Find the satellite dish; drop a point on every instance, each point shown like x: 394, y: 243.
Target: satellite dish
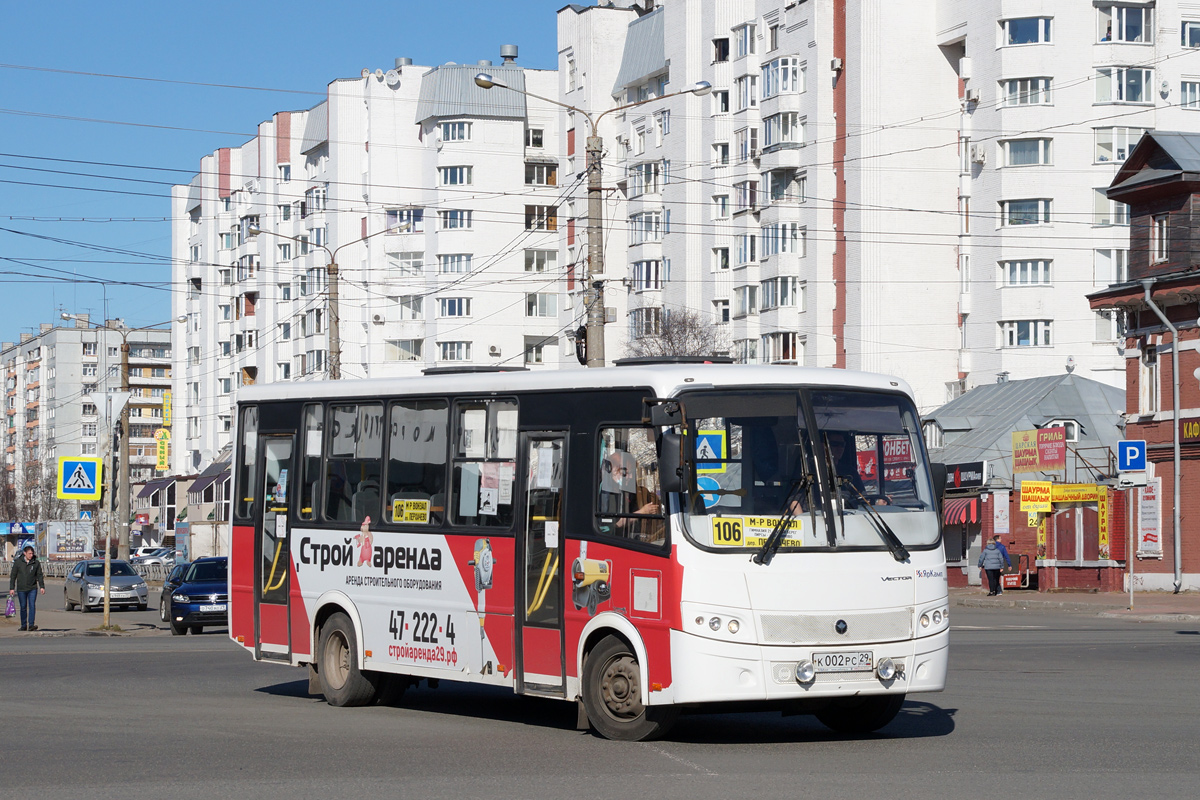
x: 379, y: 74
x: 366, y: 72
x: 393, y: 78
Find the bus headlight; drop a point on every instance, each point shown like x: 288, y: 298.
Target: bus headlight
x: 734, y: 626
x: 805, y: 671
x: 715, y: 623
x: 885, y: 669
x: 924, y: 620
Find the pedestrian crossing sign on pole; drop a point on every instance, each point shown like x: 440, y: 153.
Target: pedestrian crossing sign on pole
x: 79, y: 478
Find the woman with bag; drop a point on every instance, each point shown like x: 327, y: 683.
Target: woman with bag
x: 25, y: 581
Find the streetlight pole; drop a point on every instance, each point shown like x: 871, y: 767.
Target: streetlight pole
x: 332, y: 272
x: 593, y: 281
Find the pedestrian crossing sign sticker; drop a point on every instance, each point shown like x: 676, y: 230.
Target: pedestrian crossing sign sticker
x: 79, y: 478
x: 710, y: 444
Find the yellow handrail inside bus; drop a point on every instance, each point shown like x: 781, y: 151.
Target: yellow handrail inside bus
x: 274, y: 565
x: 548, y: 572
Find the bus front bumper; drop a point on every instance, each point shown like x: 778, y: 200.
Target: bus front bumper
x: 707, y: 670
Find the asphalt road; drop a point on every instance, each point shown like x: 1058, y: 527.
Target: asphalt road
x: 1040, y: 704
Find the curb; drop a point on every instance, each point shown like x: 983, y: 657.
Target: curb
x: 1026, y: 605
x: 1157, y: 617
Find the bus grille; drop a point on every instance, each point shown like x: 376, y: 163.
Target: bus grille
x: 861, y: 628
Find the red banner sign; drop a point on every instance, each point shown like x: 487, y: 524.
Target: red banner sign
x: 1043, y: 450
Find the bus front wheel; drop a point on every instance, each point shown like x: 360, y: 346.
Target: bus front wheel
x: 342, y: 682
x: 861, y: 714
x: 612, y: 695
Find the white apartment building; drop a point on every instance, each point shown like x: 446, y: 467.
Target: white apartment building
x: 56, y: 385
x: 439, y: 201
x: 913, y: 188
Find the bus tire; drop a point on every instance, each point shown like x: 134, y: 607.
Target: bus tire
x: 342, y: 683
x: 612, y: 695
x: 856, y: 715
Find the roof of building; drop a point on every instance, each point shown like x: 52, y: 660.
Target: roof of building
x: 1160, y: 156
x: 645, y: 50
x: 978, y: 425
x: 316, y: 128
x: 450, y: 91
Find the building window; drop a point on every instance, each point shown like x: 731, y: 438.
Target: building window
x: 778, y: 293
x: 785, y: 185
x: 572, y: 74
x: 720, y: 205
x: 226, y: 385
x: 541, y: 260
x: 1026, y: 91
x: 1190, y: 35
x: 285, y: 172
x: 782, y: 75
x: 228, y: 241
x: 720, y: 101
x: 315, y: 199
x: 1124, y: 84
x: 645, y: 322
x: 1108, y: 212
x: 773, y: 37
x: 454, y: 351
x: 410, y: 220
x: 1148, y: 380
x: 745, y: 195
x: 720, y: 258
x: 454, y: 307
x: 746, y: 249
x: 1026, y: 333
x: 455, y: 176
x: 645, y: 178
x: 1026, y: 30
x: 455, y: 219
x: 534, y: 137
x: 645, y: 227
x: 541, y: 304
x: 456, y: 131
x: 780, y: 128
x: 745, y: 89
x: 541, y: 218
x: 720, y: 311
x: 1111, y: 266
x: 454, y: 263
x: 1024, y: 212
x: 1158, y: 237
x: 781, y: 347
x: 1026, y: 152
x: 745, y: 351
x: 745, y: 300
x: 407, y: 263
x: 285, y: 212
x: 411, y: 306
x: 1189, y: 96
x: 720, y: 50
x: 1025, y: 273
x: 285, y: 251
x: 743, y: 37
x: 1106, y: 326
x: 541, y: 175
x: 647, y: 275
x: 1125, y: 24
x: 1115, y: 144
x: 782, y: 237
x: 403, y: 349
x: 721, y: 153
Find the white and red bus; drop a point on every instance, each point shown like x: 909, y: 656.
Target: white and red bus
x: 640, y: 539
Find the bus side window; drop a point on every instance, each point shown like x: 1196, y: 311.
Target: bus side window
x: 485, y: 463
x: 310, y: 462
x: 416, y: 469
x: 629, y: 502
x: 354, y: 463
x: 247, y: 466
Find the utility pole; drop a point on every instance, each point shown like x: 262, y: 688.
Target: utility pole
x: 335, y: 332
x: 593, y: 276
x: 123, y: 508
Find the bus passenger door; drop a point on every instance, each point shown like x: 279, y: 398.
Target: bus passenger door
x: 272, y: 550
x: 541, y: 669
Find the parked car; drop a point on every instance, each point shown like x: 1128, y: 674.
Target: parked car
x: 174, y: 579
x: 203, y: 597
x: 144, y: 550
x: 85, y: 586
x: 161, y: 556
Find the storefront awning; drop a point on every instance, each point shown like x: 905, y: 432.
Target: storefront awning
x: 153, y: 486
x: 204, y: 481
x: 961, y: 511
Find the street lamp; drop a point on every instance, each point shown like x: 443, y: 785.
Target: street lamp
x: 123, y: 508
x: 331, y: 273
x: 593, y: 291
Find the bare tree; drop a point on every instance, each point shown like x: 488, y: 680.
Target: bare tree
x: 681, y: 333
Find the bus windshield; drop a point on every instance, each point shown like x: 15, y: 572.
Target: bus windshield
x: 852, y: 453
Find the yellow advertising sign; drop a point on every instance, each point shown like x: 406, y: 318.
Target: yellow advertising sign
x: 1036, y: 496
x: 163, y: 438
x: 753, y: 531
x: 412, y: 511
x: 1041, y: 539
x: 1102, y: 508
x: 166, y: 409
x: 1075, y: 493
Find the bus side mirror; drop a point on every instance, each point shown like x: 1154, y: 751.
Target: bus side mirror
x: 670, y: 462
x: 938, y: 473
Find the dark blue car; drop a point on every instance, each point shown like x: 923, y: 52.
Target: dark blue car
x: 203, y: 597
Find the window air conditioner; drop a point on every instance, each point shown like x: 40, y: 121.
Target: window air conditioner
x: 978, y: 154
x: 972, y: 95
x: 378, y: 319
x: 493, y: 350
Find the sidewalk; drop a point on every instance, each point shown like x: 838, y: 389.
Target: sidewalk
x: 1147, y: 606
x: 53, y: 620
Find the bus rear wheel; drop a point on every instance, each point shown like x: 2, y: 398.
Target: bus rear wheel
x: 612, y: 695
x: 342, y: 682
x: 861, y: 714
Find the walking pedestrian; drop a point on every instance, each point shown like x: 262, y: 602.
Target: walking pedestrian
x: 25, y: 580
x: 993, y: 559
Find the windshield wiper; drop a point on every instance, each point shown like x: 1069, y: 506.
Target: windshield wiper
x: 899, y: 551
x: 783, y: 524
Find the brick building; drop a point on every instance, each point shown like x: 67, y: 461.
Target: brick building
x: 1161, y: 183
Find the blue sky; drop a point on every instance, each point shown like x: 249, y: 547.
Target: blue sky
x: 50, y: 119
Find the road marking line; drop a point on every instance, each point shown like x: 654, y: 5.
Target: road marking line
x: 682, y: 760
